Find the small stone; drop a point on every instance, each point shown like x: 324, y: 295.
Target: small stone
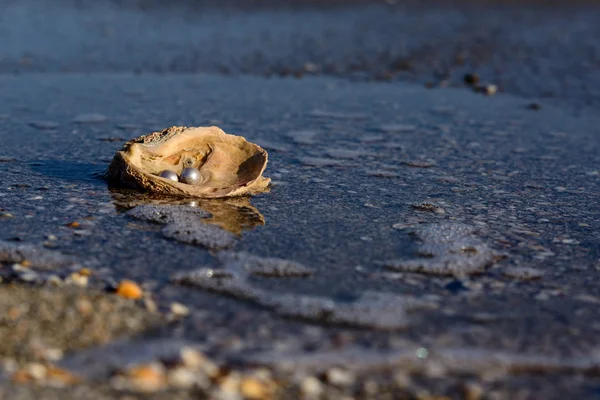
x: 181, y: 378
x: 59, y: 377
x: 311, y: 67
x: 36, y: 371
x: 145, y: 378
x: 569, y: 241
x: 402, y: 380
x: 491, y: 90
x: 230, y: 384
x: 471, y: 79
x: 340, y: 377
x: 428, y: 207
x: 402, y: 225
x: 371, y: 388
x: 82, y: 232
x: 78, y: 279
x: 129, y: 290
x: 84, y: 306
x: 179, y: 310
x: 28, y: 276
x: 21, y: 376
x: 54, y: 280
x: 195, y: 360
x: 311, y: 387
x: 73, y: 224
x: 487, y: 89
x: 255, y: 389
x: 472, y: 391
x: 150, y: 305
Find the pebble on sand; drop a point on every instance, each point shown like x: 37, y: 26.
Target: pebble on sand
x: 143, y: 378
x: 255, y: 389
x: 129, y: 290
x: 471, y: 79
x: 487, y: 89
x: 78, y: 279
x: 44, y: 374
x: 428, y: 207
x: 179, y: 310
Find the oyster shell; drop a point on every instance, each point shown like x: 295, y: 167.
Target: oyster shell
x: 229, y: 165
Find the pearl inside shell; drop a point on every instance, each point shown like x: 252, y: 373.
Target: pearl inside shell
x: 167, y: 174
x: 191, y: 176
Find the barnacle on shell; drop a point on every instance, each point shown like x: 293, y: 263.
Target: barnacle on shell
x: 229, y: 165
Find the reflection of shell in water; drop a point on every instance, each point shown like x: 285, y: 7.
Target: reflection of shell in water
x: 229, y: 165
x: 234, y: 214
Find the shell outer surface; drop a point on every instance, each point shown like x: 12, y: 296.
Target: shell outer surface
x: 229, y: 165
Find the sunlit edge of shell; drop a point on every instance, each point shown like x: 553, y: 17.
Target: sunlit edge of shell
x: 130, y: 176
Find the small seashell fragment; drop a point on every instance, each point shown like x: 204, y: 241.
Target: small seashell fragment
x: 167, y: 174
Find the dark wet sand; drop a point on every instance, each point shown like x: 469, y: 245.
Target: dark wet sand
x: 450, y: 238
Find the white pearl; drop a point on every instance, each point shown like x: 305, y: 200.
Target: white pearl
x: 167, y: 174
x: 191, y: 176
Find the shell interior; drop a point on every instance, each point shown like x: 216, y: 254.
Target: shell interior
x: 229, y: 165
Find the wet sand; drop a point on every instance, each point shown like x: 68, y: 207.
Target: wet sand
x: 417, y: 242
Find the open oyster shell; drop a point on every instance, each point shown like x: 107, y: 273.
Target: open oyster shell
x: 229, y: 165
